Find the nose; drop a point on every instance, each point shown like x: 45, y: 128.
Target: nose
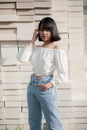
x: 44, y: 32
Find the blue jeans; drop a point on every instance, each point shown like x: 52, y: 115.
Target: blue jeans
x: 42, y: 101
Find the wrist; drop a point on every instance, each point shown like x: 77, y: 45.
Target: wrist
x: 31, y: 43
x: 49, y: 85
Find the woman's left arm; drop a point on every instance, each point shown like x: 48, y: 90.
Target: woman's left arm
x: 61, y: 67
x: 62, y: 70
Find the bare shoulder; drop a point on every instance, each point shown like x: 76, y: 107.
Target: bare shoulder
x: 58, y: 46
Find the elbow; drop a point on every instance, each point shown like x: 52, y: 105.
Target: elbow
x: 64, y: 78
x: 22, y: 59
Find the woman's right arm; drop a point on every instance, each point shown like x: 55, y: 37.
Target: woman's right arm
x: 25, y: 53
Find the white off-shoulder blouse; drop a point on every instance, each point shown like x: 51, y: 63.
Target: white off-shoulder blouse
x: 45, y: 61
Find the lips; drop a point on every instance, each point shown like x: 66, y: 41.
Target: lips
x: 44, y: 37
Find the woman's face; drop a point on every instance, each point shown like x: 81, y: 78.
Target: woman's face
x: 45, y: 35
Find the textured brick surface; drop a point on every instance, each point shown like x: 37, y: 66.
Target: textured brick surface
x: 18, y: 18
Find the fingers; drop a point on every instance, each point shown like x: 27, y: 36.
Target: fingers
x: 42, y: 86
x: 35, y: 35
x: 36, y: 32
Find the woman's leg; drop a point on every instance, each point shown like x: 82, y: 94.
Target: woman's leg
x: 34, y: 110
x: 48, y: 103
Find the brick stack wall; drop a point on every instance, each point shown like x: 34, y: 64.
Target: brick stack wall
x: 18, y: 19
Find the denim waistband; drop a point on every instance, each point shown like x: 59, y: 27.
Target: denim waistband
x: 43, y: 79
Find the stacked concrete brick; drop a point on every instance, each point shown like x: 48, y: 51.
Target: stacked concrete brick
x: 69, y: 17
x: 85, y: 36
x: 18, y: 18
x: 77, y: 63
x: 60, y: 14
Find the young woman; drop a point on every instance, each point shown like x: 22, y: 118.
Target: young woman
x: 41, y: 91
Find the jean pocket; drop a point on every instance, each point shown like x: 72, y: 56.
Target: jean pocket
x: 47, y: 91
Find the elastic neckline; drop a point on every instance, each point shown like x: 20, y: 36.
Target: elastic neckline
x: 40, y: 47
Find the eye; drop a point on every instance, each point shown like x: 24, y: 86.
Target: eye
x: 41, y: 29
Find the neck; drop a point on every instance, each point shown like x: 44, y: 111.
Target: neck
x: 46, y: 43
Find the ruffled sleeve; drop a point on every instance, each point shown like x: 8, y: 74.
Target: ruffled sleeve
x: 24, y: 54
x: 61, y: 67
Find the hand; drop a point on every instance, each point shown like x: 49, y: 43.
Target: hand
x: 35, y: 35
x: 45, y: 86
